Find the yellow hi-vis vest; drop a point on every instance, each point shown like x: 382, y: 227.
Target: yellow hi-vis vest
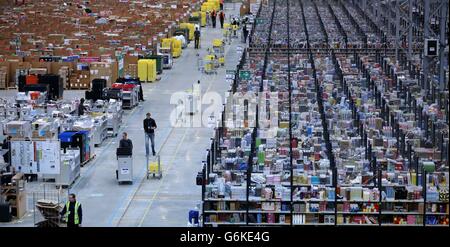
x: 76, y: 218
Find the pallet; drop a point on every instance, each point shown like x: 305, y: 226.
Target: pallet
x: 87, y: 161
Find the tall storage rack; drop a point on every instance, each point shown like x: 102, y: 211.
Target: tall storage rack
x: 367, y: 167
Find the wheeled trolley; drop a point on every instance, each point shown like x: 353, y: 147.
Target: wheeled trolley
x: 219, y: 51
x: 209, y: 64
x: 154, y: 167
x: 124, y: 172
x: 227, y: 33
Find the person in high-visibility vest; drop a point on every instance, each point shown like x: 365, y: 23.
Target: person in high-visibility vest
x: 72, y: 212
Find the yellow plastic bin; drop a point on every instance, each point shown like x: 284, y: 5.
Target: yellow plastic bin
x: 151, y: 70
x: 217, y: 42
x: 142, y: 70
x: 147, y: 70
x: 215, y: 4
x: 204, y: 7
x: 176, y: 47
x: 166, y: 43
x: 203, y: 19
x: 191, y: 28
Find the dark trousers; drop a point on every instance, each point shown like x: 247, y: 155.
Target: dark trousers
x: 221, y: 6
x: 214, y: 22
x: 197, y: 41
x: 141, y: 92
x: 6, y: 157
x: 149, y: 137
x: 221, y: 23
x: 245, y: 37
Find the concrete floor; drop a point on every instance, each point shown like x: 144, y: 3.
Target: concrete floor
x: 152, y: 202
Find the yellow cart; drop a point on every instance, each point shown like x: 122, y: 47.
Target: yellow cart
x: 219, y: 51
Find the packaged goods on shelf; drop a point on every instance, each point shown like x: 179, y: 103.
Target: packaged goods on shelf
x: 355, y: 143
x: 18, y: 129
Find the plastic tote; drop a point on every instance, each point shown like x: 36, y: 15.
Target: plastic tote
x: 217, y: 42
x: 151, y: 73
x: 202, y: 19
x: 147, y: 70
x: 159, y: 61
x: 142, y: 69
x: 166, y: 43
x: 176, y: 48
x: 190, y: 27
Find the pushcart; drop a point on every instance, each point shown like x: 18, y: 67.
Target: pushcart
x: 227, y: 33
x: 210, y: 64
x: 50, y: 211
x: 219, y: 51
x: 154, y: 167
x: 235, y: 29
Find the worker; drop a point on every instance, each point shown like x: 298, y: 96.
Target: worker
x: 213, y: 18
x: 81, y: 108
x: 197, y: 38
x: 5, y: 146
x: 245, y: 33
x: 234, y: 24
x: 149, y: 128
x: 72, y: 212
x: 221, y: 4
x: 221, y: 18
x: 125, y: 142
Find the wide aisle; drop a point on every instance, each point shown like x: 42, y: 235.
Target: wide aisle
x: 154, y: 202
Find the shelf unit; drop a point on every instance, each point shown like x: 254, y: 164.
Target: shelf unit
x: 367, y: 78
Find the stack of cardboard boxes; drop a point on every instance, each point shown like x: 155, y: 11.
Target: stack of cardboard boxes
x: 64, y: 72
x: 104, y: 70
x: 80, y: 80
x: 3, y: 77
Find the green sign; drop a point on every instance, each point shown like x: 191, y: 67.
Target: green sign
x: 260, y: 21
x: 230, y: 72
x: 120, y: 63
x: 244, y: 74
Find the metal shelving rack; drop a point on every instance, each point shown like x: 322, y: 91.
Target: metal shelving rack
x: 391, y: 23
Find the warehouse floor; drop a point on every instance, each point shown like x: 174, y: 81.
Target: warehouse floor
x: 152, y: 202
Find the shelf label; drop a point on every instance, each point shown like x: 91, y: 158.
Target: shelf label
x: 244, y: 74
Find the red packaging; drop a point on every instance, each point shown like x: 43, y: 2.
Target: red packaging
x: 31, y: 79
x: 35, y: 95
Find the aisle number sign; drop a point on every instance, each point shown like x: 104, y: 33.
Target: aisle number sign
x: 260, y: 21
x: 244, y: 74
x: 230, y: 74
